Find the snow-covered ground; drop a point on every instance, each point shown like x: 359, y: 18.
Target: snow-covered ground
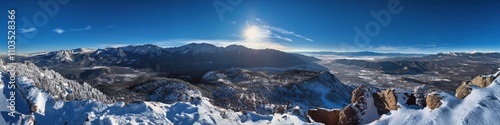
x: 481, y: 107
x: 50, y: 110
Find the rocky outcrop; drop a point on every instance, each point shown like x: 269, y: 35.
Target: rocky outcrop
x: 362, y: 90
x: 385, y: 101
x: 280, y: 110
x: 351, y: 114
x: 463, y: 90
x: 433, y: 101
x: 325, y: 116
x: 481, y: 81
x: 354, y: 112
x: 348, y: 116
x: 362, y: 97
x: 360, y: 111
x: 390, y: 99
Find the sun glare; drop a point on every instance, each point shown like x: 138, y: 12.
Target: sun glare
x: 253, y: 33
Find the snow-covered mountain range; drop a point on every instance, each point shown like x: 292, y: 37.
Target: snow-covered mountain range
x: 44, y: 97
x: 205, y: 84
x: 189, y: 62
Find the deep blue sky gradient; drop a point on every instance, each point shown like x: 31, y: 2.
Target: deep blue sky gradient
x: 423, y: 26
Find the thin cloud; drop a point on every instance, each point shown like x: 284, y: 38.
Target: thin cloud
x: 388, y: 48
x: 110, y: 26
x: 287, y: 32
x: 283, y: 38
x: 115, y: 45
x: 276, y: 30
x: 82, y: 29
x: 59, y: 31
x: 92, y: 28
x: 29, y: 30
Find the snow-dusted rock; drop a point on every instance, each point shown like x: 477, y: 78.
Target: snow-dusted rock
x: 479, y: 81
x: 480, y: 107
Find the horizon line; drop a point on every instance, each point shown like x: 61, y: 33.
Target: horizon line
x: 288, y: 51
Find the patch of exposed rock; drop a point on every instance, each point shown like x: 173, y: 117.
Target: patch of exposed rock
x: 433, y: 100
x: 390, y: 99
x: 358, y: 92
x: 481, y: 81
x: 464, y: 89
x: 325, y: 116
x: 353, y: 113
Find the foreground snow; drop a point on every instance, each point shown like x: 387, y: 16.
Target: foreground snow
x: 482, y: 106
x: 185, y: 113
x: 49, y: 111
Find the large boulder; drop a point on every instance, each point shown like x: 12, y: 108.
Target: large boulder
x: 324, y: 116
x: 354, y: 113
x: 463, y: 90
x: 349, y: 115
x: 433, y: 100
x: 482, y: 81
x: 379, y: 102
x: 362, y: 90
x: 466, y: 87
x: 390, y: 99
x: 385, y: 101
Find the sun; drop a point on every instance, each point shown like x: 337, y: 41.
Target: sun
x: 253, y: 33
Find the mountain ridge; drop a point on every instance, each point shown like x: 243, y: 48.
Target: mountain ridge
x: 188, y: 62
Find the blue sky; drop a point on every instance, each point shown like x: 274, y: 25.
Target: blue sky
x: 415, y: 26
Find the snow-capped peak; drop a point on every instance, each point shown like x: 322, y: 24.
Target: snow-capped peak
x: 82, y: 50
x: 63, y: 55
x: 473, y: 52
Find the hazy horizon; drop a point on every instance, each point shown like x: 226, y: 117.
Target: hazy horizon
x: 288, y: 51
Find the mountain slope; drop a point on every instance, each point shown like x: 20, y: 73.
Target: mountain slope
x: 50, y: 105
x: 265, y: 89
